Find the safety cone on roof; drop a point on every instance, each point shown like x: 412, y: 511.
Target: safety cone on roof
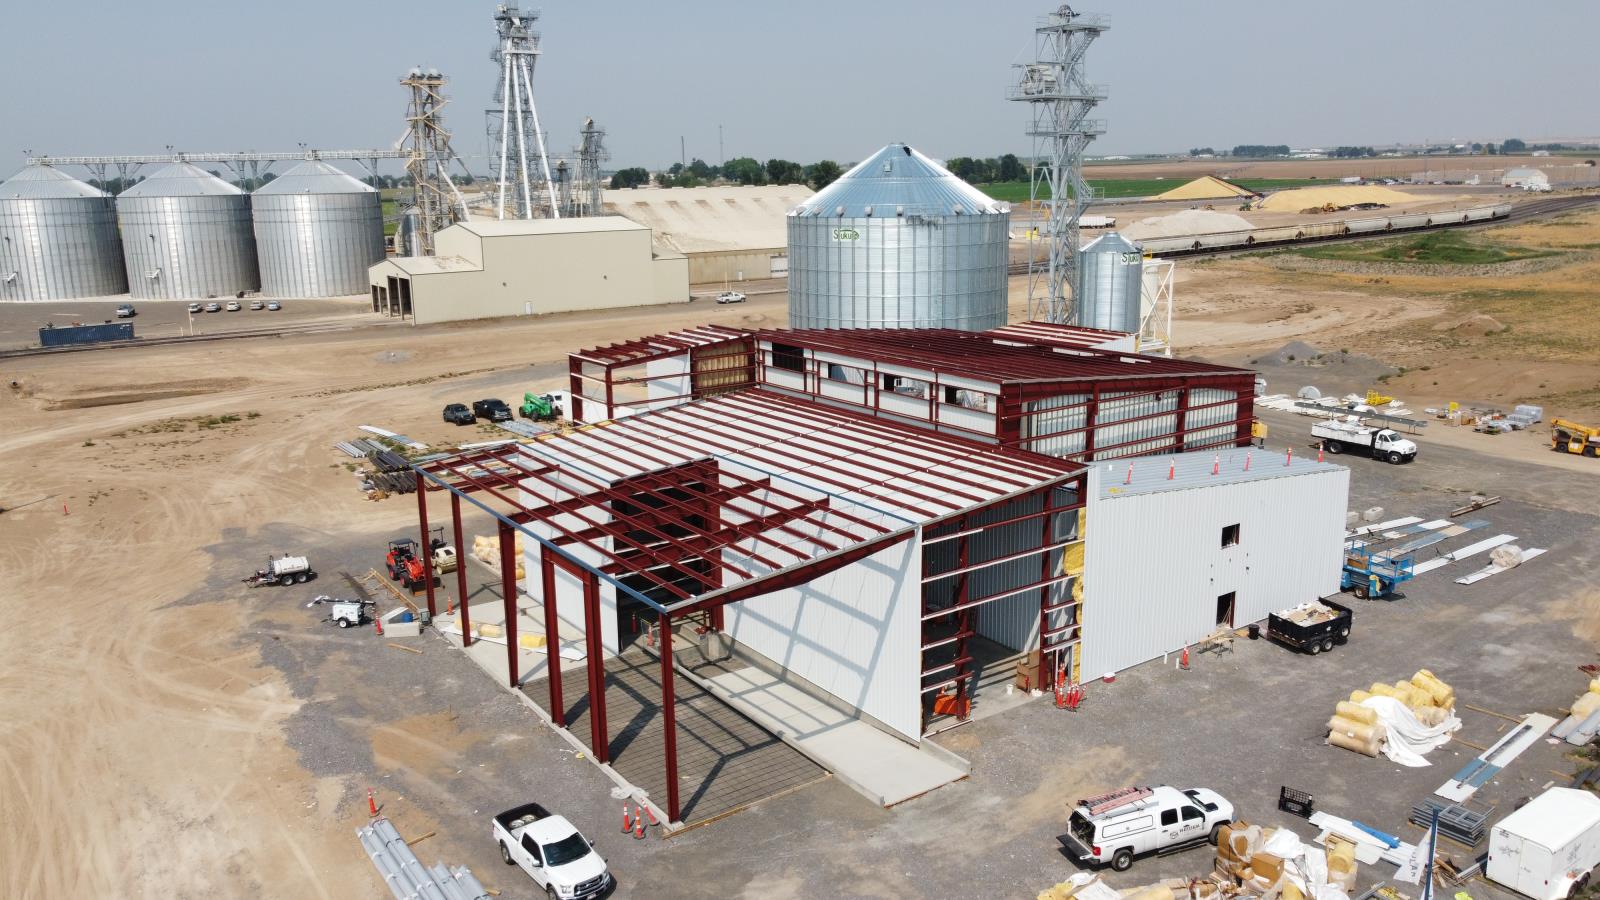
x: 1172, y: 471
x: 1319, y: 453
x: 1216, y: 464
x: 1288, y: 457
x: 1129, y: 479
x: 627, y: 819
x: 1247, y: 462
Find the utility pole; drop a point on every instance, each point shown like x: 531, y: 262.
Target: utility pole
x: 722, y: 156
x: 683, y: 157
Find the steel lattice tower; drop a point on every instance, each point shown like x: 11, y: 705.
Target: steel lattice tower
x: 428, y: 156
x: 1060, y: 100
x: 590, y: 155
x: 514, y: 124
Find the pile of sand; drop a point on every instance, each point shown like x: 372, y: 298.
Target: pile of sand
x: 1477, y: 324
x: 1341, y: 195
x: 1185, y: 223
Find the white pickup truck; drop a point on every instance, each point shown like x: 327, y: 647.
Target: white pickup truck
x: 1344, y: 436
x: 551, y: 851
x: 1117, y: 826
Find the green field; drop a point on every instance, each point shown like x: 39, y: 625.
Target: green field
x: 1439, y: 247
x: 1123, y: 188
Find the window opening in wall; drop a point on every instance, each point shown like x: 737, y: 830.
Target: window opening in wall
x: 787, y: 357
x: 1230, y: 535
x: 1225, y: 609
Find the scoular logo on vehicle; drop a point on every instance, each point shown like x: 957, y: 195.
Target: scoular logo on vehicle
x: 845, y: 234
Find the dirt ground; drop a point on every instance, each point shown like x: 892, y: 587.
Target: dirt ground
x: 144, y: 750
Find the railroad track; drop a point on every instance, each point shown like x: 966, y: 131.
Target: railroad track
x: 281, y: 331
x: 1534, y: 209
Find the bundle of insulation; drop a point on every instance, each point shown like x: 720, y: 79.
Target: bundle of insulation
x: 487, y: 549
x: 1080, y: 886
x: 1422, y: 711
x: 1580, y: 727
x: 1273, y: 862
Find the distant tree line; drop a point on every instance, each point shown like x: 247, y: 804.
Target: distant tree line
x: 740, y: 170
x: 1259, y: 150
x: 1202, y: 151
x: 1352, y: 152
x: 977, y: 170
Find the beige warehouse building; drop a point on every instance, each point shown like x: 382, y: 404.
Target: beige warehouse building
x: 487, y: 268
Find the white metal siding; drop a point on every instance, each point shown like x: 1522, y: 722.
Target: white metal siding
x: 1155, y: 564
x: 854, y: 633
x: 1013, y: 621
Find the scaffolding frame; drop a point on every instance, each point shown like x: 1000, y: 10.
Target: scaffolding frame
x: 428, y: 155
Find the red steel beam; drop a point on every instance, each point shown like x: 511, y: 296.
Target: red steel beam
x: 792, y: 577
x: 423, y: 547
x: 552, y: 638
x: 508, y: 588
x: 669, y: 718
x: 461, y: 570
x: 599, y: 743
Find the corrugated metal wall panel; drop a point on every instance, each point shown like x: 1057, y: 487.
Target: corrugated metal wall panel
x: 1013, y: 621
x: 1221, y: 417
x: 855, y: 633
x: 1152, y: 593
x: 1052, y: 416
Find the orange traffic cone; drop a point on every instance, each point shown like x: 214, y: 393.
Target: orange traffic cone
x: 372, y: 805
x: 378, y: 623
x: 1183, y: 661
x: 651, y: 813
x: 1288, y: 457
x: 1216, y: 464
x: 627, y: 819
x: 1172, y: 470
x: 638, y: 825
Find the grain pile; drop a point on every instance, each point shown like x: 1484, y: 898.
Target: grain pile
x: 1337, y: 196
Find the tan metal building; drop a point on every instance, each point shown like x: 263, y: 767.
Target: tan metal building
x: 487, y: 268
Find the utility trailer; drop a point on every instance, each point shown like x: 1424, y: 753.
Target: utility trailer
x: 1374, y: 576
x: 283, y: 570
x: 1547, y: 849
x: 1314, y: 633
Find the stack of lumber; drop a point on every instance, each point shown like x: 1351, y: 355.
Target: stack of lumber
x: 1357, y: 728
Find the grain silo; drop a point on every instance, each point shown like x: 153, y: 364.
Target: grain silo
x: 1112, y: 270
x: 898, y: 242
x: 186, y: 236
x: 58, y: 238
x: 317, y: 231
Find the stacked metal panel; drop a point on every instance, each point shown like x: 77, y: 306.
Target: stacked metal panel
x: 1112, y: 272
x: 898, y: 242
x: 186, y: 236
x: 317, y: 232
x: 58, y: 238
x: 406, y: 877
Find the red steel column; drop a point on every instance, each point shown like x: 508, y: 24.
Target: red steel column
x: 552, y: 643
x: 425, y: 550
x: 669, y: 719
x: 461, y: 570
x: 1045, y: 664
x: 599, y: 743
x: 508, y: 587
x: 575, y: 388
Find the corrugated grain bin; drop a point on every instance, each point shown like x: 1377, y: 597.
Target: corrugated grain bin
x: 1112, y: 271
x: 186, y: 235
x: 898, y: 242
x: 58, y: 238
x: 317, y: 232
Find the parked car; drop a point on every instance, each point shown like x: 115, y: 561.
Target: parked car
x: 126, y: 311
x: 458, y: 414
x: 1116, y: 827
x: 730, y: 297
x: 554, y: 854
x: 273, y: 306
x: 213, y: 307
x: 492, y: 409
x: 195, y: 307
x: 233, y: 306
x: 257, y: 304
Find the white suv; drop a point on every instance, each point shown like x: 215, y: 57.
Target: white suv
x: 1115, y: 827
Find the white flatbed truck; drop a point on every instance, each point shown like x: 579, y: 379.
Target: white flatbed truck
x: 1344, y: 436
x: 553, y: 853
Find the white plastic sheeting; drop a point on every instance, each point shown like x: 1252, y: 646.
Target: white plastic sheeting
x: 1408, y: 739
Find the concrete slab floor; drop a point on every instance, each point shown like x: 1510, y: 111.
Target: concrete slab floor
x: 446, y: 747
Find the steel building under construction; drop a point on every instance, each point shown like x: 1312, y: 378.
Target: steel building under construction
x: 878, y: 518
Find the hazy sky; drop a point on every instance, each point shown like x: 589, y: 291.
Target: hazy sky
x: 825, y: 78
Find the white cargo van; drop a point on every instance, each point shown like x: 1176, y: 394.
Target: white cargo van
x: 1114, y: 828
x: 1547, y: 849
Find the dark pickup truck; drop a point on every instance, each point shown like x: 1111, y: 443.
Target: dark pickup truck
x: 493, y: 410
x: 1318, y: 635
